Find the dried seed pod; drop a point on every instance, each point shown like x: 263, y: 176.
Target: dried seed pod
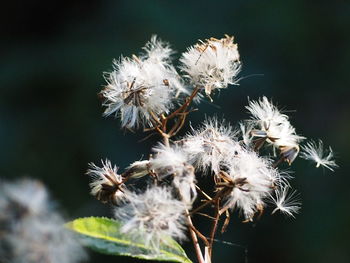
x: 107, y: 185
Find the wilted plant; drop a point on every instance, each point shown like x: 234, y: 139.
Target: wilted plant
x: 242, y: 164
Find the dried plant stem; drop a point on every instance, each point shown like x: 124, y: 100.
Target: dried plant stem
x: 223, y: 210
x: 155, y: 118
x: 202, y: 206
x: 203, y: 193
x: 205, y: 215
x: 164, y: 135
x: 201, y: 236
x: 179, y: 124
x: 160, y: 125
x: 194, y: 238
x: 185, y: 105
x: 214, y: 226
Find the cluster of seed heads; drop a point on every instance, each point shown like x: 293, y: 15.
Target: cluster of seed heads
x: 147, y: 91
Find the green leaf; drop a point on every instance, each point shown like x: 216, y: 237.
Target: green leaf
x: 103, y: 235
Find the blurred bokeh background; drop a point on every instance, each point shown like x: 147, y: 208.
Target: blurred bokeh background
x: 52, y: 57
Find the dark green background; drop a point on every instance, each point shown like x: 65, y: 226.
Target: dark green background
x: 52, y: 57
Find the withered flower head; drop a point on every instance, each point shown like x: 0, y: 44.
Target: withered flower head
x: 212, y: 64
x: 140, y: 87
x: 289, y: 153
x: 273, y: 127
x: 107, y: 185
x: 211, y: 145
x: 251, y: 179
x: 173, y: 161
x: 153, y: 216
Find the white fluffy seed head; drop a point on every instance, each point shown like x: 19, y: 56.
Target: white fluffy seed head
x: 31, y: 230
x: 272, y: 124
x: 173, y: 160
x: 107, y: 185
x: 211, y: 145
x: 137, y: 88
x: 158, y: 51
x: 168, y: 160
x: 212, y: 64
x: 153, y: 216
x: 315, y: 152
x: 254, y: 179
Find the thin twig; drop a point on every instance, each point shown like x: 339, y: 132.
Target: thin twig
x: 194, y: 239
x: 214, y: 226
x: 205, y: 215
x: 202, y: 206
x: 164, y: 135
x: 164, y: 122
x: 203, y: 193
x: 183, y: 118
x: 223, y: 210
x: 201, y: 236
x: 147, y: 137
x: 155, y: 118
x: 185, y: 105
x: 177, y: 124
